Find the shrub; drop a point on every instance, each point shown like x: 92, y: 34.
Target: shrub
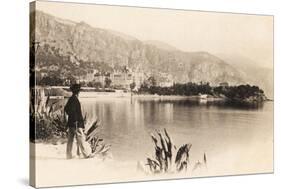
x: 165, y: 161
x: 50, y: 125
x: 49, y: 121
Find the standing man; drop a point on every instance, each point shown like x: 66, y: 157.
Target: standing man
x: 75, y: 123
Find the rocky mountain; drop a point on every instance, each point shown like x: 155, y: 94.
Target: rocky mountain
x: 161, y: 45
x: 76, y: 48
x: 252, y: 72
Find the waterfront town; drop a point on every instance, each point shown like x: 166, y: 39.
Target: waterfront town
x: 118, y: 78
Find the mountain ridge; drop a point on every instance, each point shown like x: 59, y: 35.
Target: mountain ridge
x: 70, y: 45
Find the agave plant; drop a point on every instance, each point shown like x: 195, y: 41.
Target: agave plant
x: 96, y: 143
x: 165, y: 161
x: 51, y: 126
x: 182, y: 157
x: 50, y: 122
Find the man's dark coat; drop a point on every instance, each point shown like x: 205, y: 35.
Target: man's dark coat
x: 73, y: 110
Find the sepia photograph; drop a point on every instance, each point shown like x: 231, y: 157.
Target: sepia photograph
x: 123, y: 94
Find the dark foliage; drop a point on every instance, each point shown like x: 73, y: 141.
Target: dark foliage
x: 186, y: 89
x: 50, y: 121
x: 241, y: 93
x: 234, y: 93
x: 164, y: 160
x: 51, y: 126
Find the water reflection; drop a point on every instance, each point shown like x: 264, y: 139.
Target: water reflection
x: 215, y: 103
x: 127, y: 124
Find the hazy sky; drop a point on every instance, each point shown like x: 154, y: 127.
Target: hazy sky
x: 248, y: 36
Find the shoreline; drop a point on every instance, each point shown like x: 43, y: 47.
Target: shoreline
x: 59, y: 92
x: 129, y: 95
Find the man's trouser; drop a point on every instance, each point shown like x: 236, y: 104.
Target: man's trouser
x: 81, y: 142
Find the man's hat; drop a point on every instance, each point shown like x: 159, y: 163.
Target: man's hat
x: 75, y: 87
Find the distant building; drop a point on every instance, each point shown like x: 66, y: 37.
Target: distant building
x: 121, y: 79
x: 166, y: 84
x: 124, y: 77
x: 138, y: 78
x: 93, y: 75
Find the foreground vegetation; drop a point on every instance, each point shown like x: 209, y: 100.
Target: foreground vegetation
x: 49, y: 125
x: 241, y: 93
x: 48, y: 121
x: 169, y: 158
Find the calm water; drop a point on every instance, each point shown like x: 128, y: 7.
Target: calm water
x: 219, y: 130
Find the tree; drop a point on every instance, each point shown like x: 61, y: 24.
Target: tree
x: 107, y: 82
x: 97, y: 84
x: 51, y: 80
x: 151, y: 81
x: 144, y: 87
x: 90, y: 84
x: 243, y: 92
x: 132, y: 86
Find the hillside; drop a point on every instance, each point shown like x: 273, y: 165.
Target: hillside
x: 253, y: 73
x: 161, y: 45
x: 69, y: 48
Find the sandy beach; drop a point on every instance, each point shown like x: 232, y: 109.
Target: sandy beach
x: 53, y: 169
